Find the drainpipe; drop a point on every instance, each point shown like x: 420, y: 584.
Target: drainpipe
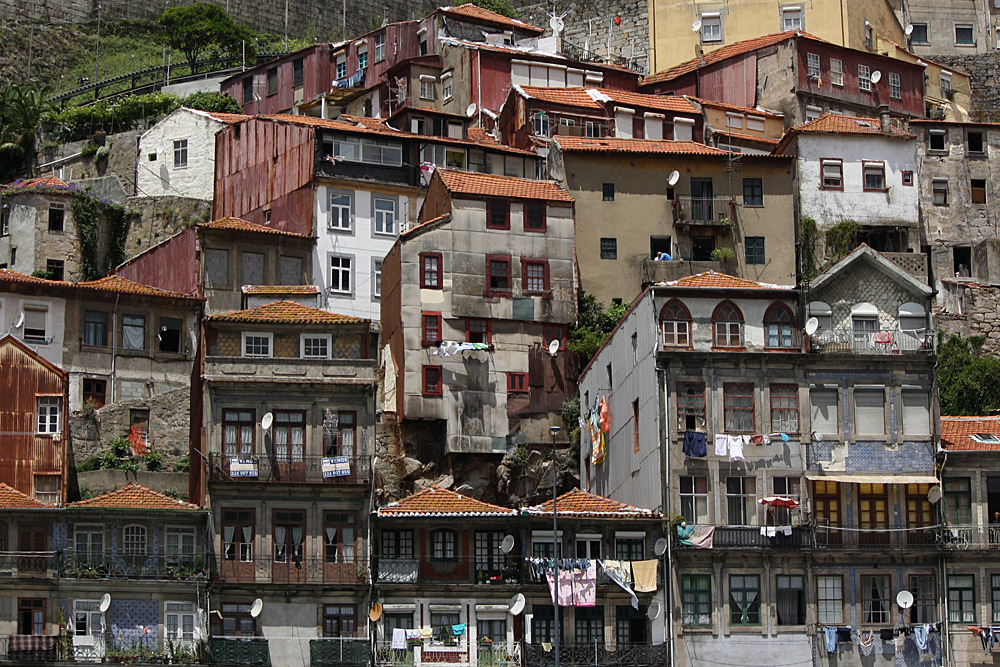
x: 668, y: 570
x: 114, y: 350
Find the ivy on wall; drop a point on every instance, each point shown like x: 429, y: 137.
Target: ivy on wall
x: 87, y: 213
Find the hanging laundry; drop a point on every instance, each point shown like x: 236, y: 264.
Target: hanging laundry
x: 585, y: 585
x: 615, y: 571
x: 398, y: 639
x: 684, y: 534
x: 703, y: 537
x: 766, y: 438
x: 547, y: 647
x: 597, y: 441
x: 605, y: 413
x: 736, y: 448
x: 695, y: 444
x: 412, y: 635
x: 830, y: 634
x: 458, y: 629
x: 721, y: 444
x: 756, y: 440
x: 645, y: 575
x: 565, y: 587
x: 843, y: 635
x: 921, y: 635
x: 885, y: 635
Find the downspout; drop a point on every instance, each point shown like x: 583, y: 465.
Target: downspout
x: 479, y: 84
x: 668, y: 574
x: 843, y: 33
x: 114, y: 352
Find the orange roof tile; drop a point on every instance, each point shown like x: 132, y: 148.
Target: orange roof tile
x: 488, y: 185
x: 714, y: 280
x: 572, y: 97
x: 659, y: 102
x: 43, y: 183
x: 420, y: 227
x: 435, y: 501
x: 585, y: 98
x: 120, y: 285
x: 747, y: 137
x: 583, y: 504
x: 6, y: 275
x: 11, y: 498
x: 957, y: 432
x: 284, y: 312
x: 280, y: 289
x: 228, y: 118
x: 472, y: 11
x: 235, y: 224
x: 613, y: 145
x: 831, y: 123
x: 134, y: 496
x: 732, y: 107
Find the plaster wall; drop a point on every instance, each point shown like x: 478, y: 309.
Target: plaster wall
x: 162, y: 176
x: 11, y: 306
x: 35, y: 244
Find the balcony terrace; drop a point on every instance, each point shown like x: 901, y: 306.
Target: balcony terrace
x: 333, y: 470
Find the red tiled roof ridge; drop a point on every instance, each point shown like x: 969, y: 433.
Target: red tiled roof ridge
x: 280, y: 289
x: 957, y: 432
x: 494, y: 185
x: 41, y: 182
x: 734, y: 107
x: 239, y: 224
x: 582, y: 502
x: 714, y: 279
x: 112, y: 283
x: 284, y: 312
x: 449, y: 503
x: 472, y: 10
x: 14, y: 499
x: 135, y: 496
x: 832, y: 123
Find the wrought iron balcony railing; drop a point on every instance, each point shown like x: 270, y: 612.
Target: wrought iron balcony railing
x: 704, y: 211
x: 489, y: 571
x: 290, y: 468
x: 239, y: 651
x: 294, y: 569
x: 430, y: 652
x: 29, y: 564
x: 880, y: 341
x: 598, y: 655
x: 117, y: 564
x: 340, y: 652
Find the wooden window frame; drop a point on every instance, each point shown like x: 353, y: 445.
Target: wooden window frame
x: 430, y: 322
x: 864, y: 177
x: 517, y: 383
x: 740, y: 320
x: 488, y: 331
x: 552, y: 332
x: 526, y: 262
x: 490, y: 291
x: 744, y: 390
x: 822, y: 184
x: 675, y: 334
x: 785, y: 391
x: 431, y: 390
x: 497, y: 214
x: 538, y: 215
x: 425, y: 283
x: 840, y: 617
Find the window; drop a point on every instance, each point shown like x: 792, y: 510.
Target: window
x: 836, y: 72
x: 609, y: 248
x: 543, y: 623
x: 784, y: 408
x: 340, y: 274
x: 57, y: 216
x: 778, y: 323
x: 875, y: 598
x: 180, y: 545
x: 741, y: 501
x: 635, y: 423
x: 755, y: 123
x: 812, y: 65
x: 874, y: 176
x: 659, y: 245
x: 444, y: 545
x: 813, y: 112
x: 338, y: 537
x: 739, y: 408
x: 945, y: 84
x: 338, y: 432
x: 939, y: 190
x: 919, y: 34
x: 47, y: 488
x: 248, y: 90
x: 830, y: 599
x: 535, y: 276
x: 592, y: 129
x: 339, y: 620
x: 498, y: 214
x: 363, y: 61
x: 691, y: 405
x: 257, y: 344
x: 95, y: 392
x: 430, y: 270
x: 694, y: 499
x: 216, y: 268
x: 272, y: 81
x: 978, y: 187
x: 489, y: 559
x: 696, y: 599
x: 133, y: 332
x: 289, y: 436
x: 289, y: 533
x: 753, y: 192
x: 711, y: 28
x: 179, y: 621
x: 170, y: 334
x: 608, y: 191
x: 791, y: 19
x: 431, y: 329
x: 540, y: 124
x: 34, y: 329
x: 534, y: 217
x: 791, y: 599
x: 180, y: 153
x: 297, y: 69
x: 342, y: 67
x: 376, y: 278
x: 957, y: 501
x: 961, y: 598
x: 907, y: 177
x: 964, y: 34
x: 385, y: 216
x: 864, y: 78
x: 869, y: 37
x: 916, y: 412
x: 86, y: 618
x: 237, y: 621
x: 630, y: 548
x: 95, y: 328
x: 498, y: 274
x: 974, y: 142
x: 447, y: 87
x: 340, y: 212
x: 895, y: 86
x: 936, y: 140
x: 675, y: 325
x: 551, y: 332
x: 924, y: 589
x: 728, y: 324
x: 379, y: 48
x: 368, y: 151
x: 744, y: 599
x: 138, y: 421
x: 134, y: 541
x: 869, y: 411
x: 477, y: 330
x: 48, y: 414
x: 397, y: 543
x: 238, y: 429
x: 432, y: 381
x: 753, y: 250
x: 631, y: 626
x: 5, y: 219
x: 517, y: 383
x: 994, y: 598
x: 427, y: 85
x: 31, y: 616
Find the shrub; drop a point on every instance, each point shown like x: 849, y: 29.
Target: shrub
x: 153, y: 461
x: 92, y: 462
x: 182, y: 465
x: 723, y: 255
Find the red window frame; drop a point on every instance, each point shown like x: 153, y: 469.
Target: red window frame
x: 425, y: 281
x: 728, y: 335
x: 734, y: 395
x: 490, y: 291
x: 497, y: 214
x: 478, y: 325
x: 551, y: 332
x: 534, y: 217
x: 831, y: 160
x: 908, y: 178
x: 430, y: 328
x: 864, y: 179
x: 432, y: 384
x: 517, y: 383
x: 527, y: 262
x: 679, y: 337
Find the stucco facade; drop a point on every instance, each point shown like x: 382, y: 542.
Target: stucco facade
x: 32, y: 243
x: 954, y: 28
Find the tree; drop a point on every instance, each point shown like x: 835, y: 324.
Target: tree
x: 210, y: 102
x: 21, y: 109
x: 593, y: 324
x: 503, y: 7
x: 969, y: 382
x: 196, y: 28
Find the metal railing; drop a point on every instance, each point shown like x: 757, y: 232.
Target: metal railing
x: 880, y: 341
x: 269, y: 468
x: 432, y: 652
x: 339, y: 652
x: 238, y: 651
x: 116, y: 564
x: 717, y: 211
x: 599, y: 655
x: 508, y: 571
x: 29, y: 564
x: 34, y: 648
x: 766, y: 537
x: 292, y: 569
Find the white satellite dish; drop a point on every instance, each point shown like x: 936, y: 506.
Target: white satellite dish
x: 904, y: 599
x: 696, y: 26
x: 876, y: 76
x: 812, y: 325
x: 256, y: 608
x: 660, y: 547
x: 909, y: 30
x: 507, y: 545
x: 557, y: 24
x: 516, y: 604
x: 553, y: 348
x: 20, y: 320
x: 105, y: 602
x: 653, y: 611
x: 673, y: 178
x: 266, y: 421
x: 934, y: 495
x: 470, y: 110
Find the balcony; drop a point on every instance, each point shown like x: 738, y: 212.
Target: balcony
x: 878, y: 342
x: 22, y: 649
x: 656, y: 271
x: 753, y: 537
x: 277, y: 369
x: 719, y: 212
x: 491, y: 572
x: 333, y: 470
x: 238, y: 651
x: 598, y: 655
x: 339, y: 652
x: 29, y: 564
x: 342, y: 570
x: 426, y: 652
x: 863, y: 538
x: 116, y: 565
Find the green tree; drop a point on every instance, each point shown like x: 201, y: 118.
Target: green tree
x: 503, y: 7
x: 593, y: 324
x: 216, y: 102
x: 21, y: 109
x: 196, y: 28
x: 969, y: 382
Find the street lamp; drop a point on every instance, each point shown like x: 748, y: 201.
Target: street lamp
x: 554, y: 431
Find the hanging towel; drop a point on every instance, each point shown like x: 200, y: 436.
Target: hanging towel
x: 547, y: 647
x: 785, y: 530
x: 830, y: 635
x: 721, y: 444
x: 565, y: 587
x: 766, y: 439
x: 426, y: 633
x: 756, y: 440
x: 684, y: 534
x: 921, y: 635
x: 605, y: 413
x: 645, y: 575
x: 736, y: 448
x: 844, y: 635
x: 458, y: 629
x: 597, y: 441
x: 703, y: 537
x: 771, y: 532
x: 398, y: 638
x: 585, y: 585
x: 412, y: 635
x: 613, y: 569
x: 695, y: 444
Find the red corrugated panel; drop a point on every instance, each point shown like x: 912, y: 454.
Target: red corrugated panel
x: 171, y: 265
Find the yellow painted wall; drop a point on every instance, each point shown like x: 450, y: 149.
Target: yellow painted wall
x: 956, y: 107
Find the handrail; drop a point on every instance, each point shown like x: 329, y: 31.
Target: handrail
x: 290, y: 467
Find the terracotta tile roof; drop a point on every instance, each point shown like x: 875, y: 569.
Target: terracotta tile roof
x: 120, y: 285
x: 472, y: 11
x: 957, y: 432
x: 280, y: 289
x: 44, y: 183
x: 284, y: 312
x: 436, y: 501
x: 747, y: 137
x: 426, y: 224
x: 831, y: 123
x: 228, y: 118
x: 589, y: 98
x: 669, y: 103
x: 613, y: 145
x: 134, y: 496
x: 572, y: 97
x: 583, y: 504
x: 480, y: 137
x: 235, y: 224
x: 535, y: 55
x: 488, y: 185
x: 714, y: 280
x: 732, y: 107
x: 6, y: 275
x: 11, y: 498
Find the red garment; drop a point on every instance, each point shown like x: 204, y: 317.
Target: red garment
x: 605, y: 415
x: 137, y: 440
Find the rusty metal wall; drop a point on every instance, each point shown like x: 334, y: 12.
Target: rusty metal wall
x: 171, y: 265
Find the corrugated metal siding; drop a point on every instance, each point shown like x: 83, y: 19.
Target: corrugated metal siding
x: 733, y: 82
x: 172, y: 265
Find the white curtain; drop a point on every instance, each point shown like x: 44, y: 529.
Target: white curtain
x: 347, y: 442
x: 298, y: 434
x: 280, y: 553
x: 227, y: 538
x: 297, y: 541
x: 347, y: 536
x: 331, y: 541
x: 229, y: 437
x: 281, y: 443
x: 246, y: 549
x: 246, y: 440
x: 133, y: 332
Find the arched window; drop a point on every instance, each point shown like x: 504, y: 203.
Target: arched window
x: 778, y: 326
x: 444, y: 544
x: 675, y: 324
x: 727, y: 320
x: 823, y: 314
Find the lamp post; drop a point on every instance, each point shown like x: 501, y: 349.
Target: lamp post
x: 554, y: 431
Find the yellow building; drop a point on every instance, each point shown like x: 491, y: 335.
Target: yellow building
x: 947, y: 90
x: 675, y: 37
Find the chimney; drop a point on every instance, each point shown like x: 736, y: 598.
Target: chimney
x: 883, y: 114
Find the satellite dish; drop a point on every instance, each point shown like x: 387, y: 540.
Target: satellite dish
x: 507, y: 544
x: 673, y: 178
x: 660, y: 547
x: 653, y: 611
x: 470, y: 110
x: 20, y: 320
x: 553, y: 347
x: 812, y: 325
x: 696, y: 26
x: 904, y: 599
x: 256, y: 608
x: 876, y: 76
x: 105, y: 602
x: 909, y: 30
x: 266, y: 421
x: 934, y: 495
x: 375, y: 612
x: 557, y: 24
x: 516, y: 604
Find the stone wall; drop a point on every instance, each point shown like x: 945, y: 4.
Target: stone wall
x: 969, y: 309
x: 162, y: 217
x: 984, y: 70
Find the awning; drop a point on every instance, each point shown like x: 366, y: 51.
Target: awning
x: 873, y: 479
